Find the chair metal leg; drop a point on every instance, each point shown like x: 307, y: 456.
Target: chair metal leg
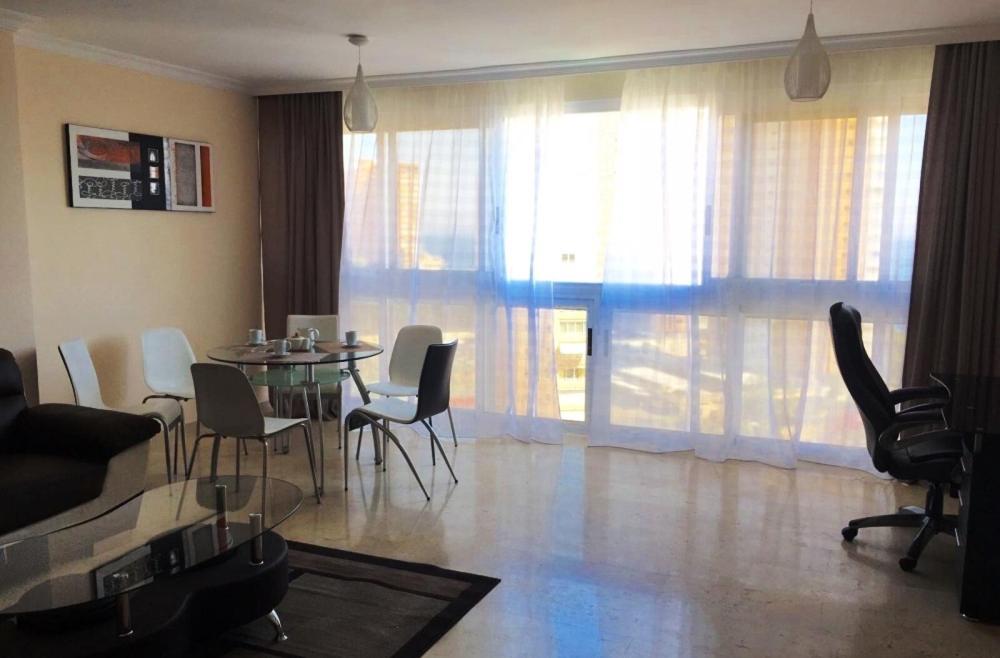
x: 166, y: 444
x: 237, y: 451
x: 392, y: 437
x: 433, y: 455
x: 177, y: 440
x: 183, y: 438
x: 339, y: 406
x: 322, y: 440
x: 216, y: 443
x: 434, y: 439
x: 451, y: 421
x: 361, y: 433
x: 347, y: 448
x: 311, y: 453
x: 194, y: 453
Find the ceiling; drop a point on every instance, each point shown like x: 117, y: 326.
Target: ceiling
x: 267, y: 42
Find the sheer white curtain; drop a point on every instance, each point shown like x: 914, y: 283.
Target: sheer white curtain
x: 740, y: 218
x: 451, y: 176
x: 703, y: 221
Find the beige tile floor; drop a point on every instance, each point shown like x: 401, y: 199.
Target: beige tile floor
x: 618, y: 553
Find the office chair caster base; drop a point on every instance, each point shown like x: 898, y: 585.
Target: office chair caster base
x: 907, y: 563
x: 849, y: 533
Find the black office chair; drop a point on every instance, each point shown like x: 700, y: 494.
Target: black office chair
x: 931, y: 456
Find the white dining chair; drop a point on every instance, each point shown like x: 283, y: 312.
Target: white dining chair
x: 228, y: 407
x: 87, y: 393
x: 406, y: 364
x: 328, y: 327
x: 166, y: 365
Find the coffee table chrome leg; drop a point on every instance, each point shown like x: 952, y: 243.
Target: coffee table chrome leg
x: 279, y: 632
x: 123, y: 615
x: 257, y: 544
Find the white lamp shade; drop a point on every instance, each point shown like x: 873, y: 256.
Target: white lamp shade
x: 360, y: 110
x: 807, y: 76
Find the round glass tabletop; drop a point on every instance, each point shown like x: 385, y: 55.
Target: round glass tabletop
x: 161, y: 532
x: 323, y: 352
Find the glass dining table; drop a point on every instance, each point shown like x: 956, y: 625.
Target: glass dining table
x: 311, y: 379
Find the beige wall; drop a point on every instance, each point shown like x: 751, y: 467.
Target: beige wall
x: 105, y: 275
x: 16, y: 317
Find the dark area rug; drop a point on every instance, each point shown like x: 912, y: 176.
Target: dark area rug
x: 349, y: 604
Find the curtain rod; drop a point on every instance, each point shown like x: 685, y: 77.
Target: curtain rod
x: 898, y: 39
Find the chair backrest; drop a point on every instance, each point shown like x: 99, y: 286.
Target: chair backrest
x: 434, y: 388
x: 12, y: 401
x: 863, y: 381
x: 226, y: 400
x: 407, y: 360
x: 82, y: 376
x: 166, y: 360
x: 328, y: 326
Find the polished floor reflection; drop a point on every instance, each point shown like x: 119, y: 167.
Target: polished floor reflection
x: 610, y: 552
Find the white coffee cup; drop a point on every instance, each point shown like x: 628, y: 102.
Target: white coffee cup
x: 256, y: 336
x: 281, y: 347
x: 351, y: 338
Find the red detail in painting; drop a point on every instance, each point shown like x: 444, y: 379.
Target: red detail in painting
x: 104, y: 153
x: 206, y: 176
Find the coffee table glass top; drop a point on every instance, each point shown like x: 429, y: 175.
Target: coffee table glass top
x: 161, y: 532
x: 323, y: 352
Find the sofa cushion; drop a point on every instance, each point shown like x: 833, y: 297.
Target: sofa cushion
x: 35, y: 486
x: 80, y: 432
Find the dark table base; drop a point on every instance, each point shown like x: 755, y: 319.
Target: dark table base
x: 169, y: 618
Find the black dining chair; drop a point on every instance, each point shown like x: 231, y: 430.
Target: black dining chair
x: 433, y: 398
x: 931, y: 456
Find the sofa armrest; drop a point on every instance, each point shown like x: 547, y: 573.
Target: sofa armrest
x: 81, y: 432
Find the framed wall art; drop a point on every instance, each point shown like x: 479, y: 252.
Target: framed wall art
x: 118, y: 169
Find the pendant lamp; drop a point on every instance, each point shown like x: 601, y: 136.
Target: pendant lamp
x: 360, y: 110
x: 807, y: 75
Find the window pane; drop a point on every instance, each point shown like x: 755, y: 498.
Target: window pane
x: 650, y: 370
x: 801, y: 176
x: 437, y: 199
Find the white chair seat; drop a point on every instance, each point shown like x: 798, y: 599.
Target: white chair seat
x: 187, y: 394
x: 392, y: 390
x: 392, y: 409
x: 275, y: 425
x: 170, y: 410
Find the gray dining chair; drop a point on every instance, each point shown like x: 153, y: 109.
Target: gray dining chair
x: 228, y: 407
x: 433, y: 398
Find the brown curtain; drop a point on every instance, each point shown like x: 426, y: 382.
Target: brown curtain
x: 955, y: 299
x: 301, y: 204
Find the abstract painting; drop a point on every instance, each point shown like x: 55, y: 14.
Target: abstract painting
x: 117, y: 169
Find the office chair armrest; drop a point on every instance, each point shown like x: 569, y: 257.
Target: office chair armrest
x: 908, y: 419
x: 919, y: 393
x: 936, y: 406
x: 81, y: 432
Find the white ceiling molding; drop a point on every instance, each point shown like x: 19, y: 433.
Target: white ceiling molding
x: 927, y: 37
x: 12, y: 21
x: 35, y: 39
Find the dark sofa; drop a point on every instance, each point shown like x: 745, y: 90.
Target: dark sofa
x: 55, y: 459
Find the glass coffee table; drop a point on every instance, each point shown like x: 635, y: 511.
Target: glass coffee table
x: 166, y: 569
